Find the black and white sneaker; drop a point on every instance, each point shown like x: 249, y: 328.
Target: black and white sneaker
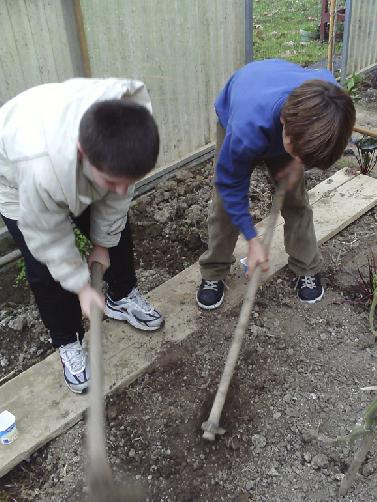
x: 309, y: 288
x: 75, y: 363
x: 136, y: 310
x: 210, y: 294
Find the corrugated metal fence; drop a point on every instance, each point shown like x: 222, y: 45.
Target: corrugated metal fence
x: 39, y: 43
x: 183, y: 50
x: 360, y: 41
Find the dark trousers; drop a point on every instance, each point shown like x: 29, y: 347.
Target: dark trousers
x: 60, y: 309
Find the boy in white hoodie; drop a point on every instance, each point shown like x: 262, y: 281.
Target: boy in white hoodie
x: 71, y: 153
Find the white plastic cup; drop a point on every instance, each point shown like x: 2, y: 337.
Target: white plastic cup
x: 243, y: 262
x: 8, y: 430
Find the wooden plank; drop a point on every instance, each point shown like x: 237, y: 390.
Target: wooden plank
x: 322, y: 189
x: 43, y: 405
x: 333, y: 212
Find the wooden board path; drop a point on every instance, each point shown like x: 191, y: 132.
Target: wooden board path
x: 40, y: 400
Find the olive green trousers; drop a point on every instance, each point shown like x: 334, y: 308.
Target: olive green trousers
x: 299, y: 234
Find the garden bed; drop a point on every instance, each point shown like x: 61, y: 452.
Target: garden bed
x: 301, y: 370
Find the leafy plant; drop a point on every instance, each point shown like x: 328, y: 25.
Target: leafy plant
x: 21, y: 274
x: 367, y: 431
x: 366, y: 153
x: 366, y: 280
x: 352, y: 84
x: 83, y: 244
x: 368, y: 286
x: 372, y: 311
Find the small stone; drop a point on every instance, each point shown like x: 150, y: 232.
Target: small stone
x: 348, y: 151
x: 307, y: 456
x: 292, y: 412
x: 276, y: 415
x: 163, y: 215
x: 287, y: 398
x: 249, y: 485
x: 18, y: 323
x: 4, y: 362
x: 258, y: 441
x: 183, y: 175
x: 368, y: 469
x: 273, y: 472
x: 234, y: 444
x: 319, y: 461
x: 195, y: 212
x: 112, y: 413
x: 132, y: 453
x: 308, y: 435
x: 323, y: 336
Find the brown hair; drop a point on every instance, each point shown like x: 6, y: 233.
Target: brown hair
x: 318, y: 118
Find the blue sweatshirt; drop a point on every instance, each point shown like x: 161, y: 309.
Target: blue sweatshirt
x: 249, y: 109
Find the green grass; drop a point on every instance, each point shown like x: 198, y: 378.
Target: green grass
x: 277, y: 26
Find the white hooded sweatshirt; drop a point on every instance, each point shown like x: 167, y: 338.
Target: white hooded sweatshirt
x: 42, y: 181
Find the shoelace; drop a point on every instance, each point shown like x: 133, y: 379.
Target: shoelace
x: 140, y: 300
x: 211, y: 285
x: 308, y: 281
x: 72, y: 355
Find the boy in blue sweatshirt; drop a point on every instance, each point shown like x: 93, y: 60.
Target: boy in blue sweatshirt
x: 291, y: 118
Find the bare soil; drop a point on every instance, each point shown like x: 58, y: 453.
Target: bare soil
x: 299, y: 374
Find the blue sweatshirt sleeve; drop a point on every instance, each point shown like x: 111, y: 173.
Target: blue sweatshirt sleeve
x: 232, y: 180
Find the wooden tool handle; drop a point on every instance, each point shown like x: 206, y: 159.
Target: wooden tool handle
x: 96, y: 417
x: 212, y: 425
x: 366, y: 132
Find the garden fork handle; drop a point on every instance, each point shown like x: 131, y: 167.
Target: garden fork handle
x: 96, y: 415
x: 211, y: 427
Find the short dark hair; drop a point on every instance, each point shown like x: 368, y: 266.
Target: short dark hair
x: 120, y: 138
x: 319, y: 117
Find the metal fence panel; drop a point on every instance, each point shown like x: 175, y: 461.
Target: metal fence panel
x: 184, y: 50
x: 39, y: 44
x: 361, y: 49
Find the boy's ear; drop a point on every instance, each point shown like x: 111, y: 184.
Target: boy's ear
x: 80, y: 149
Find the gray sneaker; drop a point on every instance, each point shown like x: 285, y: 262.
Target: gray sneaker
x: 136, y: 310
x: 75, y: 363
